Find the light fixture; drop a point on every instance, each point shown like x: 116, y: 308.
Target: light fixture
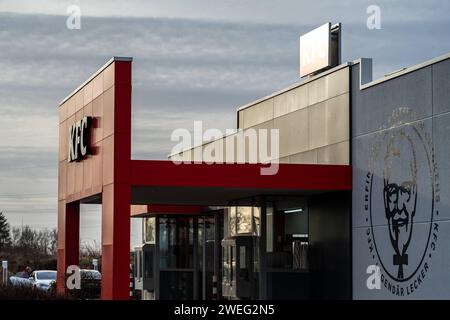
x: 298, y: 210
x: 300, y: 235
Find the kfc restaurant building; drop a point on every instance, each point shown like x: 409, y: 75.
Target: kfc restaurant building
x: 358, y: 207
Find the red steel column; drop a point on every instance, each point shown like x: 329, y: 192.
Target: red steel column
x: 68, y: 240
x: 116, y: 196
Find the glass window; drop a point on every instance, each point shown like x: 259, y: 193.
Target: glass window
x: 233, y: 263
x: 163, y: 242
x: 90, y: 274
x: 138, y: 264
x: 256, y: 221
x: 242, y: 257
x: 209, y: 228
x: 46, y: 275
x: 244, y: 219
x: 176, y: 241
x: 201, y: 227
x: 269, y: 228
x: 148, y: 261
x: 226, y: 264
x: 149, y: 233
x: 256, y: 255
x: 287, y: 233
x: 232, y: 224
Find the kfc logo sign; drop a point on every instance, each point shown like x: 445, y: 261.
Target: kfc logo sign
x: 315, y: 50
x: 80, y: 139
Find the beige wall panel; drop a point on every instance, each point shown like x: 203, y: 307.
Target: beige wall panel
x: 290, y: 101
x: 329, y: 121
x: 300, y: 98
x: 317, y: 91
x: 308, y: 157
x: 294, y: 132
x: 258, y: 113
x: 264, y: 125
x: 214, y: 151
x: 281, y: 105
x: 338, y: 83
x: 183, y: 156
x: 317, y: 125
x: 230, y: 157
x: 337, y: 122
x: 334, y: 154
x: 197, y: 157
x: 268, y: 125
x: 328, y: 86
x: 284, y: 160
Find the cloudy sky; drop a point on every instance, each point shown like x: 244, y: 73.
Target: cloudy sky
x: 193, y: 60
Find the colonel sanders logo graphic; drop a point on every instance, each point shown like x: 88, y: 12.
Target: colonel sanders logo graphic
x: 401, y: 204
x: 400, y: 196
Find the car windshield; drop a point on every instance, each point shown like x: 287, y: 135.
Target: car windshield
x: 46, y: 275
x: 90, y: 274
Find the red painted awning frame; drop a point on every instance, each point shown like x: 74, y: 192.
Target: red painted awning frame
x: 307, y: 177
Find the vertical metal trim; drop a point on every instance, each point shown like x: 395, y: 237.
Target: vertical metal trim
x: 262, y: 252
x: 330, y: 45
x: 196, y: 261
x: 203, y: 258
x: 156, y: 261
x: 217, y: 248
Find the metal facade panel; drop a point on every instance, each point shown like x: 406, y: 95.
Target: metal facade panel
x: 400, y: 207
x: 374, y: 105
x: 441, y: 86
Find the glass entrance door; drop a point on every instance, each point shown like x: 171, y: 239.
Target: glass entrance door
x: 176, y: 255
x: 189, y: 256
x: 206, y: 248
x: 211, y: 233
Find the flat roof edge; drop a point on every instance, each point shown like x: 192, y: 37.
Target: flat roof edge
x: 114, y: 58
x: 364, y: 85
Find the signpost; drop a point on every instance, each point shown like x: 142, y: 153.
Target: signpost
x: 4, y: 271
x: 95, y: 263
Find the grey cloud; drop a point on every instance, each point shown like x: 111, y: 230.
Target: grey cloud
x: 280, y: 12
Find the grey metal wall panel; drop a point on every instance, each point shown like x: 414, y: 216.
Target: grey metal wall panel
x: 434, y: 285
x: 369, y: 153
x: 441, y: 139
x: 401, y: 142
x: 329, y: 241
x: 441, y: 86
x: 373, y: 106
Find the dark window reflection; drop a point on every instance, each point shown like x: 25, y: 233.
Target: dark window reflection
x: 176, y: 240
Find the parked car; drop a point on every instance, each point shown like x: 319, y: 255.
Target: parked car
x: 39, y: 279
x: 20, y: 279
x: 90, y: 285
x: 42, y: 279
x: 91, y: 280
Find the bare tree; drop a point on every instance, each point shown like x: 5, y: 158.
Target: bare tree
x: 53, y: 241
